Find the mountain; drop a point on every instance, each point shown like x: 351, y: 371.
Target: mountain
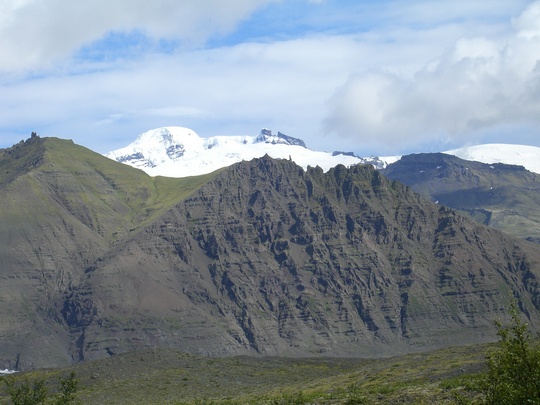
x: 262, y: 257
x: 180, y: 152
x: 520, y: 155
x: 63, y: 208
x: 506, y: 197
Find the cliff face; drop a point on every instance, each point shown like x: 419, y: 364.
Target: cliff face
x: 267, y: 258
x: 502, y: 196
x: 262, y: 257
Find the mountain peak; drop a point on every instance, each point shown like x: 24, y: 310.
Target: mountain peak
x: 157, y: 146
x: 21, y: 157
x: 267, y: 136
x: 168, y: 135
x: 180, y: 152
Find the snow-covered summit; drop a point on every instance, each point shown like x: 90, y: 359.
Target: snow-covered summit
x: 158, y: 146
x: 180, y: 152
x: 522, y: 155
x: 267, y: 136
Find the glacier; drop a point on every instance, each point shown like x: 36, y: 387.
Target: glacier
x: 176, y: 151
x: 181, y: 152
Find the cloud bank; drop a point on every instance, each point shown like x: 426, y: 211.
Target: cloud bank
x: 478, y: 85
x: 36, y: 33
x: 371, y: 77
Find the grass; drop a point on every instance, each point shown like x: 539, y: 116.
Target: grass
x: 132, y: 186
x: 164, y: 376
x: 44, y: 178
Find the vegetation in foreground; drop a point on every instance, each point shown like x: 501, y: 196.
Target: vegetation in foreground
x: 506, y: 373
x: 513, y: 375
x: 167, y: 377
x: 37, y: 392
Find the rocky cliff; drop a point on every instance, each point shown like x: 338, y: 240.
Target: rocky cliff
x: 506, y: 197
x: 259, y: 258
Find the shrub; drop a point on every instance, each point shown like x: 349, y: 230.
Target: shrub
x: 513, y: 375
x: 27, y: 393
x: 68, y: 390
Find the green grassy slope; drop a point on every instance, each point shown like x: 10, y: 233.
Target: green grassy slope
x: 143, y: 197
x: 48, y: 176
x: 62, y: 208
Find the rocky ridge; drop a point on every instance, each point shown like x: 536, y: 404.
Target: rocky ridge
x: 262, y: 257
x: 503, y: 196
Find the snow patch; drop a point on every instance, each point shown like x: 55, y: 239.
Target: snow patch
x: 521, y: 155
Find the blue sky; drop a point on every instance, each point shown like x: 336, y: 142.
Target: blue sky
x: 373, y: 77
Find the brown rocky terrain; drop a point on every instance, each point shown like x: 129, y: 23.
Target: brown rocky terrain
x: 506, y: 197
x: 260, y: 258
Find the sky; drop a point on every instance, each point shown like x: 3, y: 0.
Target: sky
x: 380, y: 77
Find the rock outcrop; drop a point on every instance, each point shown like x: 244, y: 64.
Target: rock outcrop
x: 262, y: 257
x: 502, y: 196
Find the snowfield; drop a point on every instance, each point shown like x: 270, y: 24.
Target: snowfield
x: 522, y: 155
x: 181, y: 152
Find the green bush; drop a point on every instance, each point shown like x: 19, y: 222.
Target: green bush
x: 68, y: 390
x: 26, y: 392
x: 513, y: 375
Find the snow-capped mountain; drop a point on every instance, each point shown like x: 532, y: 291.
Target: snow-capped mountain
x: 180, y: 152
x: 521, y: 155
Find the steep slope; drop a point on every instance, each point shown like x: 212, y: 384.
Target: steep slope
x: 268, y: 258
x: 63, y: 207
x: 262, y: 257
x: 505, y: 197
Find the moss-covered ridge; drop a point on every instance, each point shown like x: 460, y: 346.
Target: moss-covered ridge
x: 106, y: 196
x: 63, y: 207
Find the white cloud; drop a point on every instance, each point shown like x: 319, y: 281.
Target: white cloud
x: 477, y: 86
x: 35, y: 33
x: 377, y: 61
x: 236, y: 89
x: 527, y: 24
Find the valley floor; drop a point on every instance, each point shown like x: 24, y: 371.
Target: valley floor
x: 167, y: 377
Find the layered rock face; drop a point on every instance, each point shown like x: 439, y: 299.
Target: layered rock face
x: 502, y: 196
x: 269, y: 259
x: 259, y: 258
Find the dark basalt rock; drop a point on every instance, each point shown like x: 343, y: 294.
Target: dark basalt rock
x: 260, y: 258
x: 503, y: 196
